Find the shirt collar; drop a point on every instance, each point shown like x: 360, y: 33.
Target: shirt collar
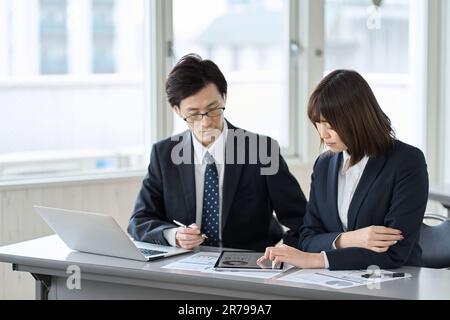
x: 346, y: 155
x: 217, y: 149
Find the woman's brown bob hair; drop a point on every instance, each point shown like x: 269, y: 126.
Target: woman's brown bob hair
x: 344, y: 99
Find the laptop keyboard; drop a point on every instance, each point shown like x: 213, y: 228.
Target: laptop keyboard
x: 149, y: 252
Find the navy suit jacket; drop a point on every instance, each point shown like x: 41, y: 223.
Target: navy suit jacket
x: 249, y: 198
x: 392, y: 192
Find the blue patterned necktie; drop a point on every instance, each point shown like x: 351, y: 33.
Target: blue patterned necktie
x: 210, y: 215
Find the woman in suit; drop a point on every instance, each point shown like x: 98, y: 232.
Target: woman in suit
x: 368, y: 191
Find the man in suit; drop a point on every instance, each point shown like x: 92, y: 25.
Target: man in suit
x: 214, y: 178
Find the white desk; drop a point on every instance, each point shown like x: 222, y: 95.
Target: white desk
x: 103, y: 277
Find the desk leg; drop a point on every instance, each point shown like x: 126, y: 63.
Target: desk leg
x: 43, y: 284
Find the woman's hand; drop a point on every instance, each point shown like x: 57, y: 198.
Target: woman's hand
x: 294, y: 257
x: 189, y: 238
x: 375, y: 238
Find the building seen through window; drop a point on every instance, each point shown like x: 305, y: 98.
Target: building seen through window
x: 247, y: 39
x: 71, y: 87
x: 53, y: 36
x: 376, y: 42
x: 103, y: 36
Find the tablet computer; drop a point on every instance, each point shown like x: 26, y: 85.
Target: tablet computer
x: 244, y: 261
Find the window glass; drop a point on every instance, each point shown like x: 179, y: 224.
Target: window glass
x: 247, y: 39
x: 376, y: 42
x: 71, y: 87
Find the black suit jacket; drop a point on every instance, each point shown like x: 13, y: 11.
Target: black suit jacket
x: 392, y: 192
x: 249, y: 198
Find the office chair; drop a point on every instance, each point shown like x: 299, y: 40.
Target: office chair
x: 435, y: 242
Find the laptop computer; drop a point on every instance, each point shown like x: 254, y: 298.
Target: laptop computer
x: 100, y: 234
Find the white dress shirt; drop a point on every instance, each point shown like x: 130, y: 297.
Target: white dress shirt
x: 217, y: 150
x: 348, y: 180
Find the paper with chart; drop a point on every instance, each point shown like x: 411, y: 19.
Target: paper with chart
x: 197, y: 262
x: 339, y: 279
x: 204, y: 262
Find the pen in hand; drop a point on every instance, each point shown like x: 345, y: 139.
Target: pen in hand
x: 185, y: 226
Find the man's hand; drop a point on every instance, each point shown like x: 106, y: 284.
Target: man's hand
x: 375, y: 238
x: 189, y: 238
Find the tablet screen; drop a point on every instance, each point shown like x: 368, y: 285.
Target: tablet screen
x: 243, y: 260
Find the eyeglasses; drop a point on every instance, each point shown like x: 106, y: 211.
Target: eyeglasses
x: 199, y: 116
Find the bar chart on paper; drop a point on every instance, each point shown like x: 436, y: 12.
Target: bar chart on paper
x: 339, y: 279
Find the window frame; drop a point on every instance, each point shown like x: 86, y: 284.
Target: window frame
x: 306, y: 65
x: 438, y: 97
x: 304, y: 53
x: 445, y: 90
x: 150, y: 135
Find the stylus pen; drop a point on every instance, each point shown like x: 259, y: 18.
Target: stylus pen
x: 185, y: 226
x: 273, y: 264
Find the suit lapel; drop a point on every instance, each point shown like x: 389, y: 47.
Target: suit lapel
x: 187, y: 178
x: 332, y: 188
x: 231, y: 176
x: 373, y: 167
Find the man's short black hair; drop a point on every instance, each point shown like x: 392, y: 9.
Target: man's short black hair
x: 190, y: 75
